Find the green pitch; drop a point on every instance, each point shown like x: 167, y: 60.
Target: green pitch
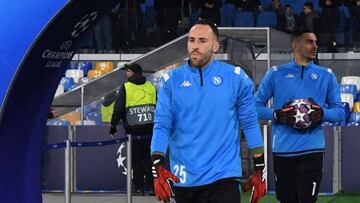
x: 338, y: 198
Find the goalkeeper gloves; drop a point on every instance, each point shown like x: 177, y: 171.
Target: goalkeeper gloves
x: 257, y: 180
x: 317, y: 114
x: 285, y: 115
x: 162, y: 176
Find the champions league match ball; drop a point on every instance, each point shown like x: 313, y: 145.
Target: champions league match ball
x: 302, y: 108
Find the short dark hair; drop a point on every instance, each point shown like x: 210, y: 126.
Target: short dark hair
x: 297, y: 33
x: 210, y: 24
x: 309, y: 4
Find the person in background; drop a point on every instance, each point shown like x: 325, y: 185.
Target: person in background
x: 329, y: 18
x: 211, y: 11
x: 135, y: 106
x: 309, y: 19
x: 354, y: 8
x: 298, y: 153
x: 287, y: 20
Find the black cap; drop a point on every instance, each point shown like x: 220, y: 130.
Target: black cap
x: 136, y: 68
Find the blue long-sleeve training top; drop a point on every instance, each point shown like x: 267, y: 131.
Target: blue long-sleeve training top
x: 198, y: 116
x: 291, y: 81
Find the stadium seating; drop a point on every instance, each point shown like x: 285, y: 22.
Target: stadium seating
x: 244, y: 19
x: 266, y: 19
x: 228, y: 12
x: 105, y: 67
x: 348, y: 89
x: 297, y: 8
x: 72, y: 117
x: 74, y: 73
x: 357, y: 106
x: 354, y: 117
x: 349, y: 98
x: 87, y: 109
x: 347, y: 110
x: 95, y: 116
x: 67, y: 82
x: 85, y: 66
x: 355, y: 80
x: 265, y: 3
x: 94, y: 73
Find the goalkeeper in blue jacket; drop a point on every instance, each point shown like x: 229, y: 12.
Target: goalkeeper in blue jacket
x: 201, y: 106
x: 298, y: 153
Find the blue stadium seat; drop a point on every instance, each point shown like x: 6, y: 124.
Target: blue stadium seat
x: 297, y: 8
x: 265, y: 3
x: 228, y: 12
x: 67, y: 83
x: 266, y: 19
x: 352, y: 124
x: 348, y: 89
x: 95, y: 116
x: 345, y: 10
x: 347, y: 110
x: 85, y: 66
x: 284, y: 2
x: 87, y: 110
x: 354, y: 117
x: 349, y: 98
x: 244, y: 19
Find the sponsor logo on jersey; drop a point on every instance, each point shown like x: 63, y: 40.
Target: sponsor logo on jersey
x: 290, y: 76
x: 186, y: 83
x: 217, y: 80
x: 314, y: 76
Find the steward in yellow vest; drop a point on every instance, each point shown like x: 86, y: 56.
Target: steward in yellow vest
x: 135, y: 106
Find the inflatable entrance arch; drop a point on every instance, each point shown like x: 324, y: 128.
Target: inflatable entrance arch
x: 38, y: 38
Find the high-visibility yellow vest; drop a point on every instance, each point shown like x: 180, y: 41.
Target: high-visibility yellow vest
x: 140, y: 103
x: 106, y: 112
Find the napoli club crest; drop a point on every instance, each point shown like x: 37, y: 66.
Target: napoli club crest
x: 216, y: 80
x: 314, y: 76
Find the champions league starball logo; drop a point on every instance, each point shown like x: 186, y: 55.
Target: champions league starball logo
x: 120, y: 160
x: 83, y: 24
x: 66, y: 45
x: 303, y: 109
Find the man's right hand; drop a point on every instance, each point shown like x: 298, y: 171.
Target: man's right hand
x: 112, y: 130
x: 257, y: 181
x: 162, y: 176
x: 285, y: 115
